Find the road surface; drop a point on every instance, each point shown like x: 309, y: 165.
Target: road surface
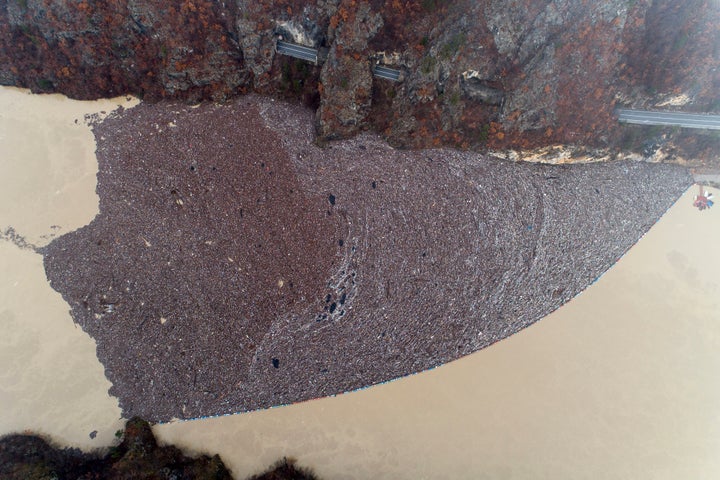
x: 686, y: 120
x: 386, y: 73
x: 298, y: 51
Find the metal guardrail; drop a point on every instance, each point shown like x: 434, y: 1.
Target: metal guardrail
x: 298, y: 51
x: 386, y: 73
x: 311, y: 55
x: 686, y: 120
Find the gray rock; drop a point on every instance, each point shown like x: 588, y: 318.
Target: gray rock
x: 477, y: 90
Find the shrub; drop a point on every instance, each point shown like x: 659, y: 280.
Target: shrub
x: 451, y: 47
x: 427, y: 64
x: 45, y: 84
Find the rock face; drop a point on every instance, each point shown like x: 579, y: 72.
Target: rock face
x: 544, y: 72
x: 91, y: 49
x: 346, y: 76
x: 475, y: 89
x: 235, y: 265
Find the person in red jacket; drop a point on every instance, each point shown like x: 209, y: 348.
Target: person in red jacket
x: 703, y: 200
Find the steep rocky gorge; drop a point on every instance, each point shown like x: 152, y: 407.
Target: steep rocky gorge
x: 490, y: 74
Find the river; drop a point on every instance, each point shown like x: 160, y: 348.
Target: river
x: 621, y: 382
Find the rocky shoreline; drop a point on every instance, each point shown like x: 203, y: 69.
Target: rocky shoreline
x: 138, y: 455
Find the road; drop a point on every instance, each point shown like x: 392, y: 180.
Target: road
x: 386, y: 73
x: 297, y: 51
x: 687, y: 120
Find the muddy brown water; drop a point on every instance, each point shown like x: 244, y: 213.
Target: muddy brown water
x: 47, y: 187
x: 619, y: 383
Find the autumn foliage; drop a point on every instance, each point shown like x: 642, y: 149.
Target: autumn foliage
x: 560, y: 81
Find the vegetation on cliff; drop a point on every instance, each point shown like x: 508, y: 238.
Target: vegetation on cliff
x: 138, y: 456
x: 476, y: 74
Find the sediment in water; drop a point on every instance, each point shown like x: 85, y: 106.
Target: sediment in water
x: 235, y: 265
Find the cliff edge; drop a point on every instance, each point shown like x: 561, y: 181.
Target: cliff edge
x: 491, y: 74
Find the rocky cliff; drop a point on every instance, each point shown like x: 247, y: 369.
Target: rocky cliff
x: 31, y: 457
x: 492, y: 74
